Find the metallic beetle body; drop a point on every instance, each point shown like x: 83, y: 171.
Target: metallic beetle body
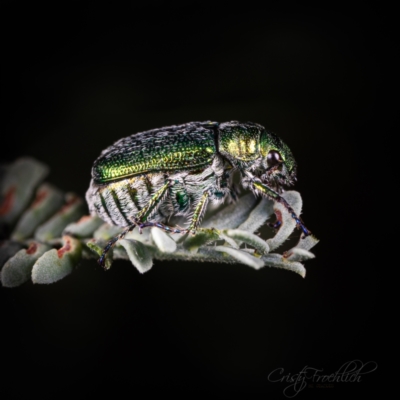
x: 194, y: 157
x: 177, y: 170
x: 129, y: 173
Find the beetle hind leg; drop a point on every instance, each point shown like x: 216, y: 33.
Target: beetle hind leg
x: 140, y: 221
x: 165, y: 228
x: 111, y: 244
x: 198, y: 213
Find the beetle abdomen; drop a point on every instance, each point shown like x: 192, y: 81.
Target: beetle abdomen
x: 178, y: 147
x: 118, y: 202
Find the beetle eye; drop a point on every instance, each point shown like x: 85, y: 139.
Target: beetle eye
x: 274, y: 158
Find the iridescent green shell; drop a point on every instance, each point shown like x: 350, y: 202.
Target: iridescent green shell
x: 178, y: 147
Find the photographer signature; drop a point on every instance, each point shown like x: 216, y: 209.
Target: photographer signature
x: 350, y: 371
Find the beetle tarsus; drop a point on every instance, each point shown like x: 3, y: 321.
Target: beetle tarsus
x: 275, y: 225
x: 306, y: 232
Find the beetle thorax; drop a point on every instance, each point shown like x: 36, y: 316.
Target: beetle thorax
x: 240, y: 142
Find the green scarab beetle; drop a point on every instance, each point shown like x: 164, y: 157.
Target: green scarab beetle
x: 146, y: 178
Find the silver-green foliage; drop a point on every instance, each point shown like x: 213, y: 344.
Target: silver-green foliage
x: 50, y: 233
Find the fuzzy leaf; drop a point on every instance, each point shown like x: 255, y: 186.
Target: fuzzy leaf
x: 241, y: 256
x: 141, y: 236
x: 300, y: 252
x: 47, y: 201
x: 17, y: 269
x: 56, y: 264
x: 107, y: 232
x: 7, y: 249
x: 240, y: 210
x: 288, y: 223
x: 258, y: 216
x: 162, y: 240
x: 205, y: 253
x: 306, y: 244
x: 85, y: 227
x: 53, y: 228
x: 297, y: 254
x: 231, y: 242
x: 138, y: 253
x: 249, y: 238
x: 278, y: 261
x: 202, y: 237
x: 17, y: 187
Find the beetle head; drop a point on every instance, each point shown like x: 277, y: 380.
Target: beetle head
x: 278, y: 164
x: 251, y: 146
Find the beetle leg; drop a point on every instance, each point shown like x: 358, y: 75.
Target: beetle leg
x: 275, y: 225
x: 147, y: 210
x: 158, y: 196
x: 198, y: 213
x: 166, y: 228
x: 144, y: 213
x: 140, y: 221
x: 112, y: 242
x: 260, y: 187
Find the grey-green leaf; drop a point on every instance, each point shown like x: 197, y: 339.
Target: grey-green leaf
x: 138, y: 253
x: 202, y: 237
x: 70, y: 212
x: 241, y: 256
x: 47, y: 201
x: 85, y: 227
x: 231, y: 216
x: 288, y: 223
x: 297, y: 254
x: 17, y: 187
x: 231, y: 242
x: 56, y: 264
x: 278, y: 261
x: 7, y: 249
x: 306, y: 243
x: 258, y: 216
x: 249, y: 238
x: 106, y: 232
x: 162, y: 240
x: 18, y: 268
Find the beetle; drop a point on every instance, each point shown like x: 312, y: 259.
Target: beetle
x: 146, y: 178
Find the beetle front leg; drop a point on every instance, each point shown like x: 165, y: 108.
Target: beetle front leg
x: 261, y: 188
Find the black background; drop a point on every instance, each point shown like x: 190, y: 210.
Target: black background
x: 75, y: 78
